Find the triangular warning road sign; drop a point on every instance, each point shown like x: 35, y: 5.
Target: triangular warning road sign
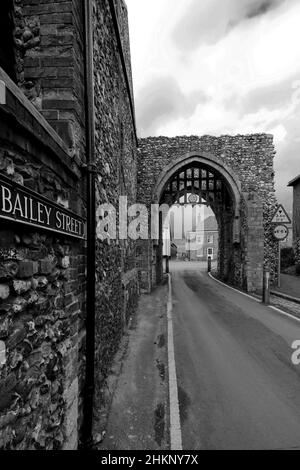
x: 281, y: 216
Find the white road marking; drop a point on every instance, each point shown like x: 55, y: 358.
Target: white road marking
x: 175, y: 427
x: 282, y: 312
x: 232, y: 288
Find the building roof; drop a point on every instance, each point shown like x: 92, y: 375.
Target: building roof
x: 210, y: 224
x: 294, y: 181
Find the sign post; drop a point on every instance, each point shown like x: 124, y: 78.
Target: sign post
x: 266, y: 287
x: 280, y: 233
x: 279, y: 265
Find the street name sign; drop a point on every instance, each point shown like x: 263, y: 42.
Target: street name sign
x: 281, y: 216
x: 22, y: 205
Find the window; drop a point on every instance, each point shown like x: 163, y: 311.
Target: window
x: 210, y: 238
x: 7, y: 53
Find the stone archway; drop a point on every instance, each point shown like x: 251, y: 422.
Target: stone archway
x: 228, y: 214
x: 245, y: 165
x: 205, y: 158
x: 209, y: 160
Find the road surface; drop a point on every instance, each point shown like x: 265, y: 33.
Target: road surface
x: 238, y: 388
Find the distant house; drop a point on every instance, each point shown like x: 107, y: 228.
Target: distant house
x: 295, y: 184
x: 204, y: 243
x: 181, y: 251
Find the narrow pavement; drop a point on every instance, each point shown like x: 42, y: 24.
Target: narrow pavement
x: 138, y: 418
x: 238, y: 388
x: 290, y: 285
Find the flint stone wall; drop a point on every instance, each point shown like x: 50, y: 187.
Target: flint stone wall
x: 43, y: 276
x: 117, y: 286
x: 251, y: 159
x: 42, y: 293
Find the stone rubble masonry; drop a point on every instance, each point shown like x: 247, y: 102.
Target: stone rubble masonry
x: 122, y: 17
x: 28, y: 268
x: 4, y: 291
x: 39, y: 323
x: 43, y: 275
x: 251, y: 159
x: 117, y: 287
x: 297, y: 251
x: 253, y: 242
x: 42, y: 317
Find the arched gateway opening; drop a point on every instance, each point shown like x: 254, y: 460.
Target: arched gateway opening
x: 203, y: 180
x: 234, y: 176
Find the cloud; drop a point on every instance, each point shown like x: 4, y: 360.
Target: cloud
x: 207, y: 21
x: 271, y: 97
x: 244, y: 55
x: 162, y: 101
x: 287, y: 160
x: 261, y: 7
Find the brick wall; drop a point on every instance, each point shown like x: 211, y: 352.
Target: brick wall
x: 49, y: 60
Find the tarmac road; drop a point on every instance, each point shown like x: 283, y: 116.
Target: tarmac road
x: 238, y: 388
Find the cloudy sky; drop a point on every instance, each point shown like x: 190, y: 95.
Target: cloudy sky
x: 220, y: 67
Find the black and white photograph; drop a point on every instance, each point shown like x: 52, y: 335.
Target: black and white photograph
x: 149, y: 228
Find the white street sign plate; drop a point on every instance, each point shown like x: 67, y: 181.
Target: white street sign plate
x: 280, y: 232
x: 281, y: 216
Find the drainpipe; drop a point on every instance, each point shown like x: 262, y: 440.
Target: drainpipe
x: 88, y: 398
